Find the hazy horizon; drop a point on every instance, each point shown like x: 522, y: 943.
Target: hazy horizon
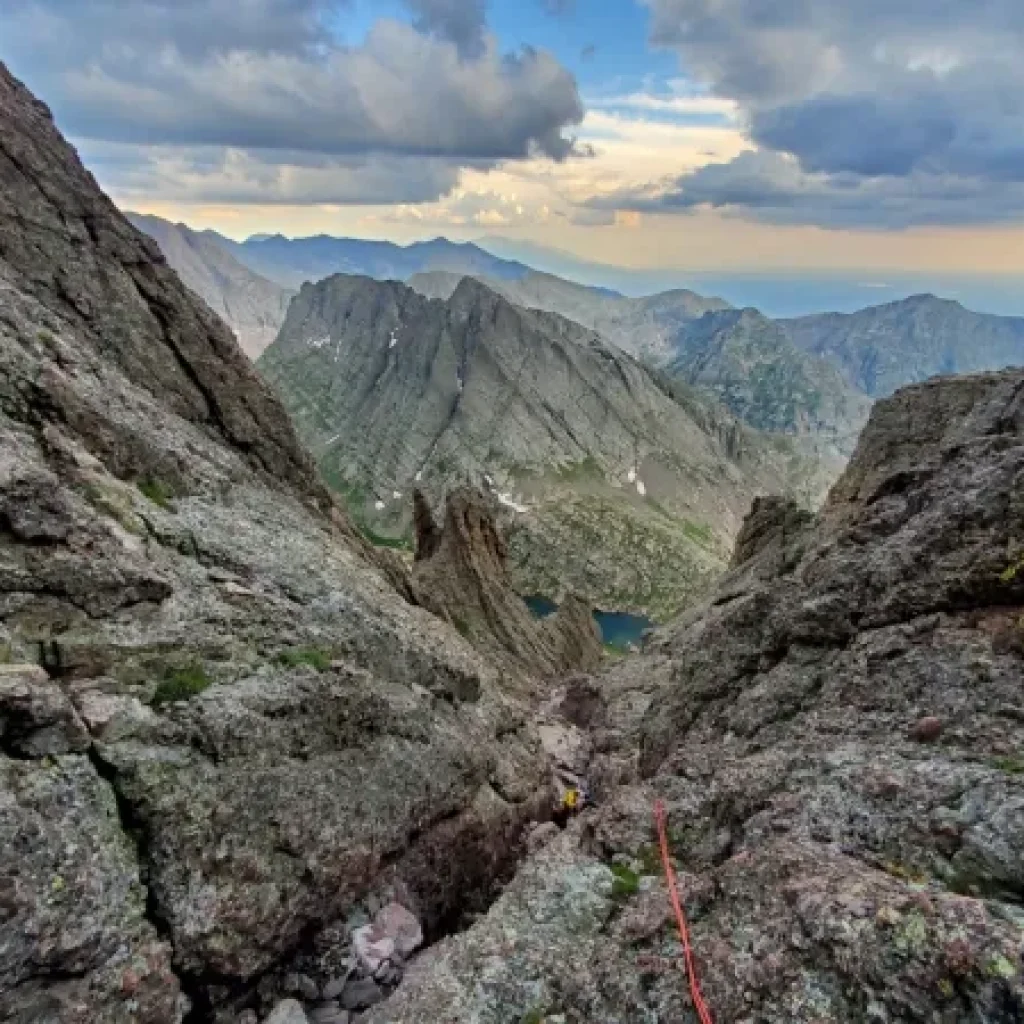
x: 736, y: 143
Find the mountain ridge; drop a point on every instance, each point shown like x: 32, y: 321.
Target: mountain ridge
x: 253, y: 306
x: 574, y: 437
x: 881, y: 348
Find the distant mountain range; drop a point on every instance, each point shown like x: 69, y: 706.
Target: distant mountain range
x: 644, y: 327
x: 618, y: 483
x: 253, y: 306
x: 614, y: 431
x: 293, y: 261
x: 876, y: 349
x: 743, y: 358
x: 881, y: 348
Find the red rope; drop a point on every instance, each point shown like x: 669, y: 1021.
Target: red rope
x: 684, y: 933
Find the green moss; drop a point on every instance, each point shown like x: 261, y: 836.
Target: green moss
x: 905, y: 873
x: 1013, y: 765
x: 588, y: 469
x: 311, y: 656
x: 1010, y: 573
x: 157, y: 492
x: 380, y: 541
x: 626, y: 883
x: 44, y: 336
x: 534, y: 1016
x: 462, y: 626
x: 1001, y: 967
x: 181, y: 684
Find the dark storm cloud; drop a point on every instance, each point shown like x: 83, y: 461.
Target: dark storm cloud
x: 914, y: 105
x: 269, y: 76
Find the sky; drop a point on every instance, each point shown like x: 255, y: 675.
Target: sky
x: 872, y: 142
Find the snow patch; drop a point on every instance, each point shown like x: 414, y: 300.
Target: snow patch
x: 507, y: 499
x: 631, y: 475
x: 396, y: 495
x: 641, y: 488
x: 319, y: 342
x: 392, y: 341
x: 419, y: 476
x: 379, y: 506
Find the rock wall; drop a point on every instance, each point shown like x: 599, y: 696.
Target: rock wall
x: 221, y: 726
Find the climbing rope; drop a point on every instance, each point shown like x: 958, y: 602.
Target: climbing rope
x: 684, y: 932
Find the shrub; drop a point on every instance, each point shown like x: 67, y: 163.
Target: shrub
x: 181, y: 684
x: 312, y: 656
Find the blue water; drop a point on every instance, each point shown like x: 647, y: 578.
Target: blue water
x: 618, y: 629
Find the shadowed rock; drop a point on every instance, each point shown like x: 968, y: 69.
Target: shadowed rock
x: 461, y: 574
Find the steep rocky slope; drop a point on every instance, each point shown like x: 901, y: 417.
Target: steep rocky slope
x: 739, y: 356
x: 614, y: 485
x: 752, y: 366
x: 221, y: 727
x: 644, y: 327
x: 253, y: 306
x: 838, y: 734
x: 884, y: 347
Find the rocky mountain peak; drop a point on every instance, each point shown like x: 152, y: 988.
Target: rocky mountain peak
x: 67, y: 250
x: 461, y: 574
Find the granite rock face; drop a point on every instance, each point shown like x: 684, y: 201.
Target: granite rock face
x: 838, y: 735
x: 461, y: 574
x: 221, y: 725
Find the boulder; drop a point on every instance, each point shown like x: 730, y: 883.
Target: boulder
x: 288, y: 1011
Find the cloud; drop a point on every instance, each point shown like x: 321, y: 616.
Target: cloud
x: 462, y: 22
x: 774, y: 187
x: 269, y: 78
x: 486, y: 208
x: 914, y: 105
x: 216, y: 175
x: 681, y: 105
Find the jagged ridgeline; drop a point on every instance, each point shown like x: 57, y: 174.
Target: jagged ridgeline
x: 615, y: 481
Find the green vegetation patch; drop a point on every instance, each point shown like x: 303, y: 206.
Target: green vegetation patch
x: 1013, y: 765
x: 314, y: 657
x: 381, y: 541
x: 156, y: 491
x: 181, y: 684
x: 1011, y: 572
x: 626, y: 884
